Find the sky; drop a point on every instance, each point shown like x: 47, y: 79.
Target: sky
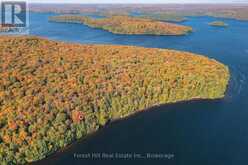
x: 139, y: 1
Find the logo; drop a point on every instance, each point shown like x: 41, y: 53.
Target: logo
x: 14, y: 15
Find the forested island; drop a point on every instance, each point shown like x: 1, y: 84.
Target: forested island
x: 218, y: 24
x: 126, y: 25
x: 52, y: 93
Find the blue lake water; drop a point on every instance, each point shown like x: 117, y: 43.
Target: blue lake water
x: 199, y: 132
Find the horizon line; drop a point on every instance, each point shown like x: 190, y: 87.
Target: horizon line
x: 190, y: 3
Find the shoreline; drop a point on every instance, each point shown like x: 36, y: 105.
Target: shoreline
x: 112, y: 25
x: 130, y: 108
x: 114, y: 121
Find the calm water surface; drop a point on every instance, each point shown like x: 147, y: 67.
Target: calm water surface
x: 203, y: 132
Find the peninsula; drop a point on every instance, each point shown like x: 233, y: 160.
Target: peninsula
x: 53, y: 93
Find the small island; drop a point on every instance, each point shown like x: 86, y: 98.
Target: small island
x: 218, y: 24
x: 126, y: 25
x: 53, y: 93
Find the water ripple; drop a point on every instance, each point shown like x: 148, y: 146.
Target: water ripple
x: 246, y: 51
x: 238, y: 81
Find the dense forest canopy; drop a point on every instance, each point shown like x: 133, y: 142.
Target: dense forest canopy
x: 52, y: 93
x: 127, y: 25
x: 165, y: 12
